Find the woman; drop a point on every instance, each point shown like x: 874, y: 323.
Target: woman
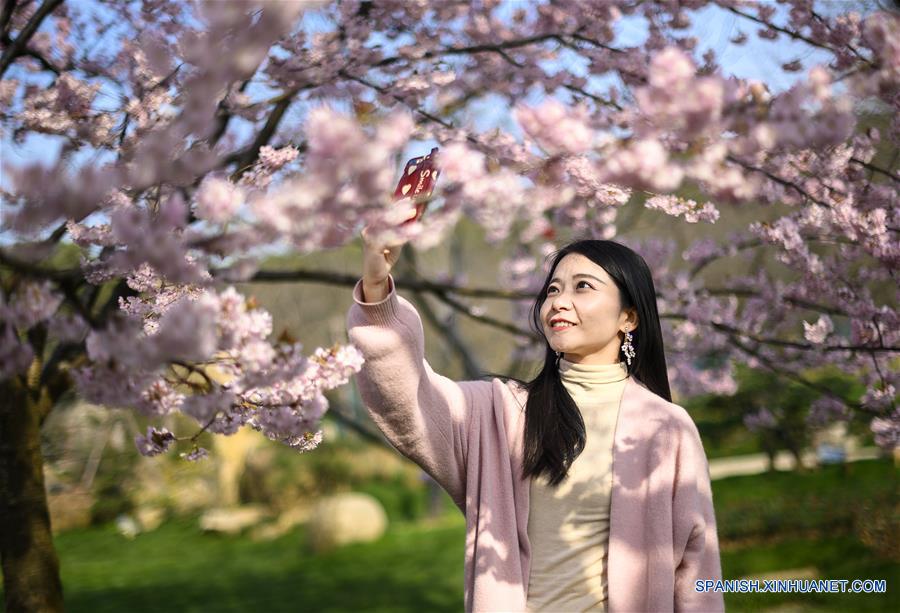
x: 585, y: 488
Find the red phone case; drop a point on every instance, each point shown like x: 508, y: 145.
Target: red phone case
x: 417, y: 183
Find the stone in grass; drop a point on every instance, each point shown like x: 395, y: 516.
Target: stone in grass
x: 345, y: 518
x: 298, y: 514
x: 232, y: 520
x: 149, y: 518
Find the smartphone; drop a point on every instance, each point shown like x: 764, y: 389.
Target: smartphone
x: 417, y: 183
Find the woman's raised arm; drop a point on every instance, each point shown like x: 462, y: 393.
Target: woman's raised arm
x: 425, y: 416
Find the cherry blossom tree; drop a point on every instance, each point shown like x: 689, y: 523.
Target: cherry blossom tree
x: 166, y: 159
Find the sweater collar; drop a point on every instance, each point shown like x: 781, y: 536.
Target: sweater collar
x: 592, y: 374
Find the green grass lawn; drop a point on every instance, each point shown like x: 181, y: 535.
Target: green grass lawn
x: 176, y: 568
x: 420, y: 568
x: 832, y: 558
x: 828, y: 501
x: 788, y: 521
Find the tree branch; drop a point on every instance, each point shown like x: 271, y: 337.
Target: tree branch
x: 448, y: 330
x: 429, y: 116
x: 732, y: 332
x: 749, y: 293
x: 245, y: 158
x: 443, y: 292
x: 495, y: 48
x: 781, y: 371
x: 416, y: 285
x: 223, y: 116
x: 594, y: 43
x: 599, y: 99
x: 790, y: 33
x: 701, y: 264
x: 18, y: 46
x: 877, y: 169
x: 485, y: 319
x: 8, y: 7
x: 32, y: 53
x: 779, y: 180
x: 32, y: 270
x: 366, y: 433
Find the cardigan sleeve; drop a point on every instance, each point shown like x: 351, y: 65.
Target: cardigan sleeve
x: 424, y: 415
x: 695, y: 538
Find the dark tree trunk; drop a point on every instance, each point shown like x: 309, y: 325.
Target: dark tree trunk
x: 798, y: 459
x: 794, y: 448
x: 770, y: 450
x: 30, y: 566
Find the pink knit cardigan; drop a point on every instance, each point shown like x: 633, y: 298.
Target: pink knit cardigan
x: 469, y: 436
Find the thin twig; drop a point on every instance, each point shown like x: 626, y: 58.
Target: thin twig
x: 790, y: 33
x: 877, y: 169
x: 733, y: 332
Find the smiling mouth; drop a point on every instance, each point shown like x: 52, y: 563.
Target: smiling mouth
x: 558, y: 327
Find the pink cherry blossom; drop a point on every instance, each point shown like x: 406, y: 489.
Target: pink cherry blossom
x: 826, y: 410
x: 199, y: 136
x: 218, y: 200
x: 33, y: 303
x: 670, y: 68
x: 817, y: 333
x: 154, y: 442
x: 644, y: 163
x: 760, y: 420
x: 555, y: 128
x: 691, y: 210
x: 887, y: 430
x: 459, y: 163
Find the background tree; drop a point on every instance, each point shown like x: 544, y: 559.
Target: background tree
x: 166, y: 157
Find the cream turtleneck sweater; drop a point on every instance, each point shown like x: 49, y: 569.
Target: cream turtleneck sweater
x: 568, y: 525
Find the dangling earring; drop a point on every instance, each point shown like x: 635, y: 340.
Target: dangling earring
x: 627, y: 347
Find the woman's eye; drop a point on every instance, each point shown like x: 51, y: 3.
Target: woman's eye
x: 577, y: 285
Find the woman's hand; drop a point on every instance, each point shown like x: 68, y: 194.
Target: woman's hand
x: 378, y: 260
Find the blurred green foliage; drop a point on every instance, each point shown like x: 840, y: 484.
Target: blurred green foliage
x: 720, y: 419
x: 344, y: 464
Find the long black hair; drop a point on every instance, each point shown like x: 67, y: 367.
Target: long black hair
x: 554, y: 429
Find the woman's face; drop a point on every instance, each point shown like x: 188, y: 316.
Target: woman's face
x: 584, y: 295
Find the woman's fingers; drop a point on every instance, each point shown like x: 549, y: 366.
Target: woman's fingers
x: 372, y: 242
